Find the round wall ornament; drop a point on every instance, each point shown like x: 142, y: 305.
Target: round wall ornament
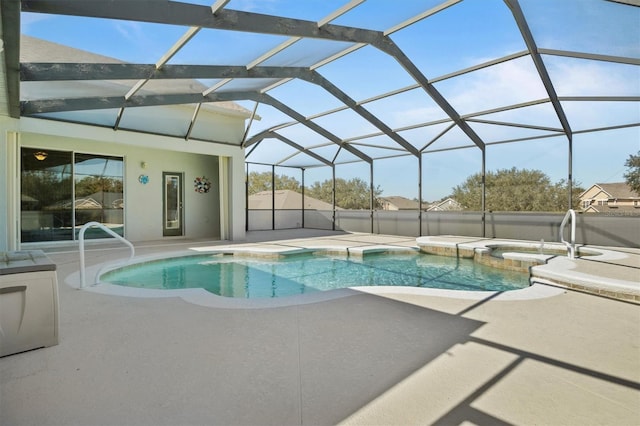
x: 202, y: 185
x: 143, y: 179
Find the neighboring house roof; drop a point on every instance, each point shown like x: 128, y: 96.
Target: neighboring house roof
x: 613, y: 209
x: 97, y: 200
x: 614, y: 190
x: 28, y: 199
x: 448, y: 204
x: 87, y: 203
x: 286, y: 200
x: 401, y: 203
x: 109, y: 200
x: 80, y: 204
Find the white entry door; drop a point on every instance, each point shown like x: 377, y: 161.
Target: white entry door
x: 173, y: 208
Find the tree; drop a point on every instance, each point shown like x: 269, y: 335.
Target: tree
x: 632, y: 176
x: 91, y: 184
x: 350, y: 194
x: 259, y: 182
x: 515, y: 190
x: 41, y: 188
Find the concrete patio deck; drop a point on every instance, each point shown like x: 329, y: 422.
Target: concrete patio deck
x: 559, y: 357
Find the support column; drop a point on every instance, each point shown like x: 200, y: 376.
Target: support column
x: 371, y: 195
x: 333, y: 198
x: 273, y: 197
x: 246, y: 198
x: 484, y: 194
x: 224, y: 165
x: 302, y: 197
x: 570, y: 173
x: 420, y: 195
x: 10, y: 194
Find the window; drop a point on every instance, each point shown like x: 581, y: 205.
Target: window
x: 61, y: 191
x: 46, y: 195
x: 98, y: 193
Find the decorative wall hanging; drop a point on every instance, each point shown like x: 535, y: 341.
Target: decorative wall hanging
x: 143, y: 179
x: 202, y: 184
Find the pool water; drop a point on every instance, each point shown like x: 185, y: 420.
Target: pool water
x: 256, y: 278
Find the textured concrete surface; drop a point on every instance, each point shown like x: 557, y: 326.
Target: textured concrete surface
x: 390, y: 358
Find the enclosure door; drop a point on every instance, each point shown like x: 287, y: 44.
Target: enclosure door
x: 172, y: 212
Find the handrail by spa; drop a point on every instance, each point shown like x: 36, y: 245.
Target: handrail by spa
x: 81, y: 248
x: 571, y: 246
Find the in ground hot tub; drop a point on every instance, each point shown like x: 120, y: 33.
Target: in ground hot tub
x: 524, y: 255
x: 28, y: 301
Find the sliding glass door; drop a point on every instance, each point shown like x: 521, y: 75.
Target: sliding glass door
x: 98, y: 193
x: 60, y: 191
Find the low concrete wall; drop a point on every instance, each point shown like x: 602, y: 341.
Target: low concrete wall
x: 262, y: 220
x: 452, y: 223
x: 617, y: 231
x: 354, y: 221
x: 318, y: 219
x: 523, y: 226
x: 594, y: 229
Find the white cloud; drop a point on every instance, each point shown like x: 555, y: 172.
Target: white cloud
x: 130, y: 30
x: 508, y: 83
x: 589, y: 78
x: 518, y: 81
x: 139, y: 42
x: 27, y: 20
x: 415, y: 115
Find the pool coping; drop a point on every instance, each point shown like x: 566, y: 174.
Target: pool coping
x: 556, y: 270
x: 202, y: 297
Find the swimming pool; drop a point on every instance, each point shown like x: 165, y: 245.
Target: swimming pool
x: 252, y: 278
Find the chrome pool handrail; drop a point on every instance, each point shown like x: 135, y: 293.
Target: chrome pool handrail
x: 571, y: 246
x: 81, y: 247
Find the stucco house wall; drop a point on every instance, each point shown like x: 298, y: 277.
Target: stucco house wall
x: 218, y: 214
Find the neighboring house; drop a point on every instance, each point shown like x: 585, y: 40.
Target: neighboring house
x: 398, y: 203
x: 402, y: 203
x: 86, y: 203
x: 610, y: 197
x: 99, y: 200
x: 448, y: 204
x: 286, y: 200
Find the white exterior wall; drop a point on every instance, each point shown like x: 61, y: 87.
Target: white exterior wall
x: 143, y: 203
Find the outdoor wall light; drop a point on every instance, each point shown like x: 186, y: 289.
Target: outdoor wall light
x: 40, y: 155
x: 143, y: 164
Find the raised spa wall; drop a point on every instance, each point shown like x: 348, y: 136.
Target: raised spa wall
x: 515, y: 261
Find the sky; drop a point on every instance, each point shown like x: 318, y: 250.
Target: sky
x: 468, y: 33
